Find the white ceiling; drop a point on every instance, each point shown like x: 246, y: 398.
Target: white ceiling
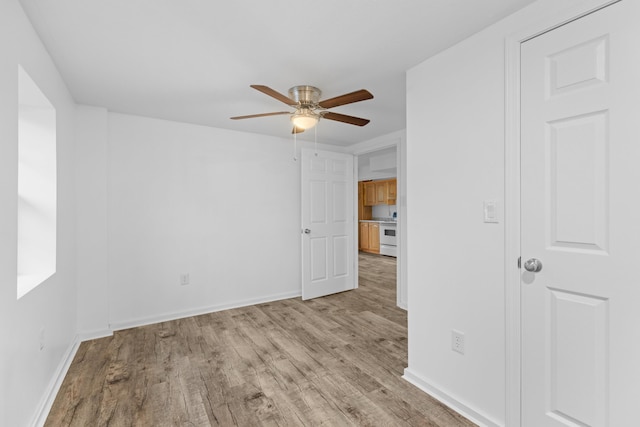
x: 193, y: 60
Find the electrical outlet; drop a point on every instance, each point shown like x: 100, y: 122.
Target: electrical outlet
x: 457, y: 341
x: 184, y: 279
x: 41, y: 339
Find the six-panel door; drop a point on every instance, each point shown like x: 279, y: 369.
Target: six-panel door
x: 580, y: 210
x: 328, y: 214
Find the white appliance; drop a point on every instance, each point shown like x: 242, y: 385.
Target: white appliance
x: 388, y: 239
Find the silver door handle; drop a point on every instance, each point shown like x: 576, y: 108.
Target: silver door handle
x: 307, y: 231
x: 533, y: 265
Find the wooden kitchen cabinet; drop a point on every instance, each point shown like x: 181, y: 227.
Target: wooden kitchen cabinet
x: 392, y: 191
x: 363, y: 237
x: 364, y: 211
x: 369, y: 237
x: 370, y: 193
x: 374, y: 237
x: 382, y: 192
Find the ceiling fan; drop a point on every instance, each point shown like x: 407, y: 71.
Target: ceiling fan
x: 308, y: 107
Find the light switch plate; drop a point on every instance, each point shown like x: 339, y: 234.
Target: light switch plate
x: 490, y: 211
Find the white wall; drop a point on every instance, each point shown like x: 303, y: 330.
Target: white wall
x: 455, y: 160
x: 222, y: 206
x: 157, y: 199
x: 26, y: 372
x: 383, y: 211
x: 91, y: 225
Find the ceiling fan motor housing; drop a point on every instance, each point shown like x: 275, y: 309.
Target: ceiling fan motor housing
x: 305, y: 95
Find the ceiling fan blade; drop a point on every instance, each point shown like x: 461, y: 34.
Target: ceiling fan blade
x: 296, y: 129
x: 251, y: 116
x: 357, y: 96
x: 274, y: 94
x: 345, y: 119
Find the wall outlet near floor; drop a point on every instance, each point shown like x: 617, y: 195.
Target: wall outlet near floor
x: 41, y: 339
x: 457, y: 341
x: 184, y: 279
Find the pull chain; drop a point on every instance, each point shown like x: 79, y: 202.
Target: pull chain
x: 316, y: 138
x: 295, y: 145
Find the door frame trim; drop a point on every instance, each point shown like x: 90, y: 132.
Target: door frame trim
x: 513, y: 335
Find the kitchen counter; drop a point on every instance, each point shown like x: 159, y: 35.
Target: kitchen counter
x: 381, y: 220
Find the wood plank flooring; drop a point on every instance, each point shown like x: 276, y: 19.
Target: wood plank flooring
x: 334, y: 361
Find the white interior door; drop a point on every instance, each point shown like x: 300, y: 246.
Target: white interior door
x: 580, y: 216
x: 327, y: 223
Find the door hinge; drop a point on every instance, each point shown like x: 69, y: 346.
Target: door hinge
x: 519, y: 258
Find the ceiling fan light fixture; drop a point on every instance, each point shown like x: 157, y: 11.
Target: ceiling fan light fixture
x: 304, y: 120
x: 308, y: 107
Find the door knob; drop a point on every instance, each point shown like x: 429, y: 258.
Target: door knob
x: 307, y: 231
x: 533, y: 265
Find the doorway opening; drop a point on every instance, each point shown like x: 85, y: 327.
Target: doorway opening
x: 378, y: 214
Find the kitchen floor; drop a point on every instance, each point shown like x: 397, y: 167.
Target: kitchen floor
x: 379, y: 268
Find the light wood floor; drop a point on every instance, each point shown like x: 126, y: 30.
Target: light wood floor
x: 334, y: 361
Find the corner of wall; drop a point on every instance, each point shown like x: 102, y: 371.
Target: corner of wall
x: 50, y: 393
x: 91, y: 224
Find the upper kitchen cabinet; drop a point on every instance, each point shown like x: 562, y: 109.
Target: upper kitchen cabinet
x: 370, y: 193
x: 381, y: 192
x: 392, y: 191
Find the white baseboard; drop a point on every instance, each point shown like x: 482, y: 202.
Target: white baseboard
x: 450, y: 401
x: 93, y: 335
x: 165, y: 317
x: 54, y: 385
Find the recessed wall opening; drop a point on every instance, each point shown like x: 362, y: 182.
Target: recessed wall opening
x: 37, y: 195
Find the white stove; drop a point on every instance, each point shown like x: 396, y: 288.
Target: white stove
x: 388, y: 239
